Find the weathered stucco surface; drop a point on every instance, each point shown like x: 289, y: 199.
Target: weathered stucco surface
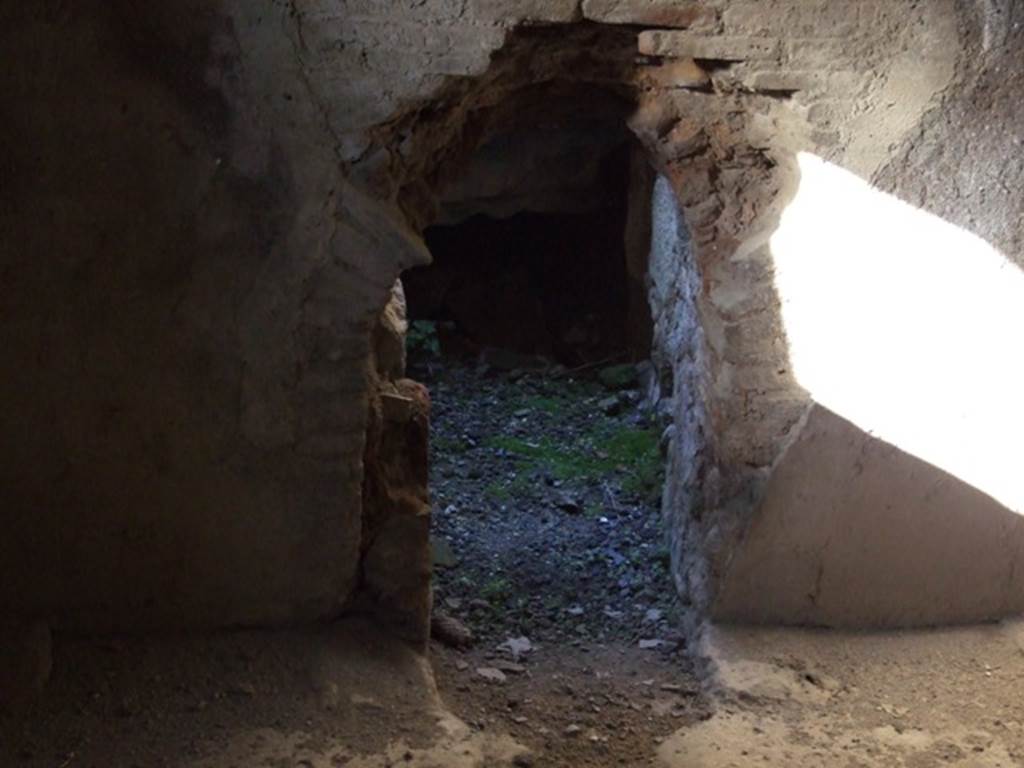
x: 205, y: 209
x: 851, y: 530
x: 854, y: 532
x: 190, y: 287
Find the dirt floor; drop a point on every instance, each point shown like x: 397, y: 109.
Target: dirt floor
x: 547, y: 512
x: 549, y: 556
x: 342, y: 695
x: 346, y: 695
x: 607, y: 705
x: 817, y: 698
x: 548, y: 548
x: 546, y: 496
x: 552, y: 557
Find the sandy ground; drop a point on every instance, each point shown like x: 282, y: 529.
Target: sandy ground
x: 948, y: 697
x: 346, y: 695
x: 602, y: 705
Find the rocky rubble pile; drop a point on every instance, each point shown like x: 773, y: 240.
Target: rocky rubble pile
x: 546, y: 496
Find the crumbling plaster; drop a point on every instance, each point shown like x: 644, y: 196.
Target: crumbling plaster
x: 727, y: 95
x: 190, y: 286
x: 205, y: 209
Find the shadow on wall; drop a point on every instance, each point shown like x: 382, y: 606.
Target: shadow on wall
x: 899, y: 502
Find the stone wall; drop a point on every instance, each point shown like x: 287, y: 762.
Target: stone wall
x: 895, y: 504
x: 205, y: 208
x: 680, y: 357
x: 189, y: 290
x: 729, y: 97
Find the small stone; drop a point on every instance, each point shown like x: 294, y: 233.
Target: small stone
x: 441, y: 553
x: 650, y: 645
x: 492, y: 675
x: 449, y: 631
x: 516, y: 647
x: 568, y: 503
x: 572, y: 730
x: 652, y: 616
x: 510, y: 667
x: 617, y: 377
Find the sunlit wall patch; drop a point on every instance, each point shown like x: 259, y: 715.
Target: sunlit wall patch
x: 905, y: 324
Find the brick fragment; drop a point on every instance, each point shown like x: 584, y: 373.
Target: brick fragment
x: 686, y: 139
x: 677, y: 73
x: 775, y: 81
x: 654, y: 13
x: 686, y: 45
x: 792, y: 18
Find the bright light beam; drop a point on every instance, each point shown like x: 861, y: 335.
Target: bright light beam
x: 906, y: 325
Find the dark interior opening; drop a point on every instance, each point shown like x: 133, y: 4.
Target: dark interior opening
x: 533, y: 249
x: 549, y: 284
x: 552, y: 284
x: 532, y: 329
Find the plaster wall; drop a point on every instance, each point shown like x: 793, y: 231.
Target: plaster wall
x: 897, y: 502
x: 205, y: 208
x: 189, y: 287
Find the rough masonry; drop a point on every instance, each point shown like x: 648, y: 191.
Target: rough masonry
x: 205, y: 209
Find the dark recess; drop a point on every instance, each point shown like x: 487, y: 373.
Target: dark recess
x: 552, y: 284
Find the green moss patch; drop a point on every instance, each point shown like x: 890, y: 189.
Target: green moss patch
x: 632, y: 452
